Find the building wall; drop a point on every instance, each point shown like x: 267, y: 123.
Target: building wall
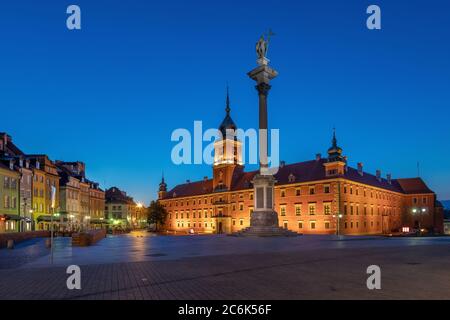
x: 70, y: 202
x: 309, y: 208
x: 9, y: 202
x: 117, y: 212
x: 26, y: 199
x: 97, y: 204
x: 84, y: 202
x: 39, y: 207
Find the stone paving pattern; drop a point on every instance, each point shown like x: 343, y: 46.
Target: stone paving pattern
x: 324, y: 268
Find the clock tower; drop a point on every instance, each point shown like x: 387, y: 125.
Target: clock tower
x: 227, y: 152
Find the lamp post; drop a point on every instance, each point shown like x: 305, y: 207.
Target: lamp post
x: 31, y: 220
x: 420, y: 211
x: 338, y: 218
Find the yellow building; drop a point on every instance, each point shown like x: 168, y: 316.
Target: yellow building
x: 45, y: 178
x: 9, y: 192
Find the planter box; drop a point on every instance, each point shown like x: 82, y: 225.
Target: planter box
x: 21, y: 236
x: 84, y: 239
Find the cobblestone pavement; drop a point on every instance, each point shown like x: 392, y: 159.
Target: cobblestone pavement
x: 318, y: 267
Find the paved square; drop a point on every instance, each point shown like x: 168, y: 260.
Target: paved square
x: 140, y: 266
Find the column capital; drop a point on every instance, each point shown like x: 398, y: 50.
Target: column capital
x: 263, y: 88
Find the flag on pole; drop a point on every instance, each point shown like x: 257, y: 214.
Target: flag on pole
x: 53, y: 197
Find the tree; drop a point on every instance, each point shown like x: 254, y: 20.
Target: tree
x: 156, y: 214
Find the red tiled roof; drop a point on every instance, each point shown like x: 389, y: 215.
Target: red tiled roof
x: 191, y: 189
x: 413, y: 185
x: 302, y: 172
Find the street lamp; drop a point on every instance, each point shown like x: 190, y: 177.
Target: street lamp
x: 339, y: 217
x: 419, y: 211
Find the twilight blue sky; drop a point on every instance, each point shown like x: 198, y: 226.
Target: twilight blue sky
x: 112, y: 93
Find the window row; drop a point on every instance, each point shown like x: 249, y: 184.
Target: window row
x: 310, y: 190
x: 9, y: 183
x: 310, y: 207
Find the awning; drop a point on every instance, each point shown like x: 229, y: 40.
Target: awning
x: 9, y: 217
x: 99, y: 221
x: 47, y: 218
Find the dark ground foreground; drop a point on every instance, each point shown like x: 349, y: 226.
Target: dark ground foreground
x: 413, y: 269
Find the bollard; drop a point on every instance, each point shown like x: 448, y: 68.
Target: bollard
x: 10, y: 244
x: 48, y: 243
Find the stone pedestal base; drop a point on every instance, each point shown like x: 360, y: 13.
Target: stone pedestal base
x: 266, y: 218
x: 264, y: 224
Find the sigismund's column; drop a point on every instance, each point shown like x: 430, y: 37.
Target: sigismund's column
x: 264, y: 219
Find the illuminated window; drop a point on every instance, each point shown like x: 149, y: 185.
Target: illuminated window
x: 327, y: 208
x: 312, y: 208
x: 298, y: 209
x: 283, y: 210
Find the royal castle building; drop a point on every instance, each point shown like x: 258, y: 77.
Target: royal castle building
x: 319, y: 196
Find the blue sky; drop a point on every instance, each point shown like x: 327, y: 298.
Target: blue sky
x: 112, y: 93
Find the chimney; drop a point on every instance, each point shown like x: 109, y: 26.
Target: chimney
x: 318, y: 156
x: 346, y: 164
x: 389, y: 178
x: 378, y: 173
x: 360, y: 169
x: 205, y: 178
x: 282, y: 164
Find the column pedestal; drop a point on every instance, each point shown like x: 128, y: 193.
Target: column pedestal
x: 264, y: 219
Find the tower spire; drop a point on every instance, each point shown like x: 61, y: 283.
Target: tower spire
x: 335, y: 152
x: 227, y: 108
x: 334, y: 141
x: 162, y: 184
